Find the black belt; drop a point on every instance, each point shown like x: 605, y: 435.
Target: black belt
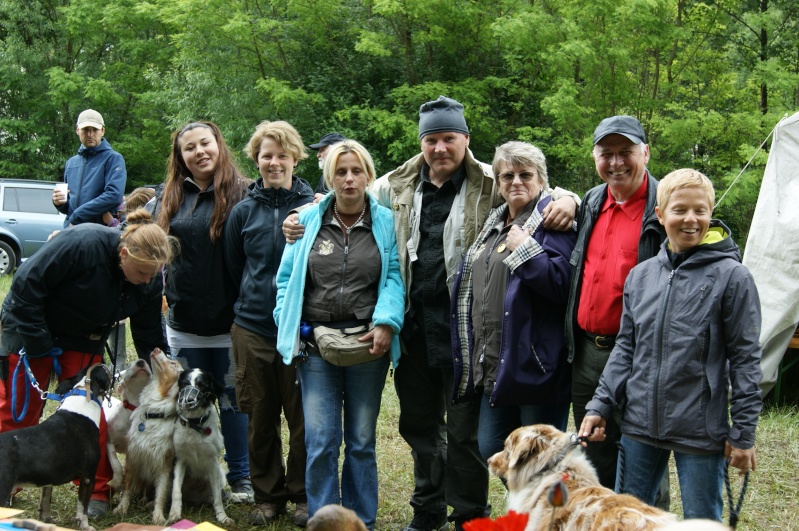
x: 600, y: 341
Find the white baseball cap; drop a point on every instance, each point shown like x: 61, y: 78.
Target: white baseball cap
x: 90, y: 118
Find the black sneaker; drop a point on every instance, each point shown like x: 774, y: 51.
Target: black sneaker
x: 241, y: 491
x: 427, y: 522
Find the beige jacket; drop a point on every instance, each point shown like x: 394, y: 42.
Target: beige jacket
x: 400, y: 190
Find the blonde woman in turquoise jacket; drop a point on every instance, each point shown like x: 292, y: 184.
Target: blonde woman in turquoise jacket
x: 344, y: 272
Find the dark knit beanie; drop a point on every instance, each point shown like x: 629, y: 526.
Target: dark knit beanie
x: 441, y: 116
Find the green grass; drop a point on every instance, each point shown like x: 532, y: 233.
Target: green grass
x: 771, y: 500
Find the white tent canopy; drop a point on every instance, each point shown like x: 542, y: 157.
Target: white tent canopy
x: 772, y: 249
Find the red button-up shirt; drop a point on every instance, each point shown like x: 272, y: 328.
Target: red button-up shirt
x: 612, y: 252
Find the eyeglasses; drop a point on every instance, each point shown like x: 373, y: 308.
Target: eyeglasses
x: 525, y: 177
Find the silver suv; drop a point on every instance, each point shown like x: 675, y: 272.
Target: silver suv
x: 27, y: 218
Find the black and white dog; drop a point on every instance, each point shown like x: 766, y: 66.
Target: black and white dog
x: 198, y: 444
x: 35, y: 456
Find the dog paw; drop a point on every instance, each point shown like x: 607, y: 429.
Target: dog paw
x: 224, y: 519
x: 158, y: 519
x: 173, y: 517
x: 122, y: 508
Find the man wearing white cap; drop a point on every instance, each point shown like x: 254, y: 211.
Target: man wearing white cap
x: 95, y: 177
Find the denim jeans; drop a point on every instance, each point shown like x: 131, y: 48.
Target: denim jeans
x: 218, y: 362
x: 496, y: 423
x: 327, y: 390
x: 701, y: 477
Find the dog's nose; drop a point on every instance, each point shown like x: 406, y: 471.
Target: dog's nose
x: 139, y: 363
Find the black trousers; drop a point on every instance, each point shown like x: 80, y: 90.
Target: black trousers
x: 447, y: 466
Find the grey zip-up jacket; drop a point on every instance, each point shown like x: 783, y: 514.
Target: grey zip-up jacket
x: 681, y: 328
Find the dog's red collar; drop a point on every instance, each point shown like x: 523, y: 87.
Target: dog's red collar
x: 128, y: 405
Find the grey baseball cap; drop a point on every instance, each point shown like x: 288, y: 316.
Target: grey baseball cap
x: 627, y: 126
x: 90, y: 118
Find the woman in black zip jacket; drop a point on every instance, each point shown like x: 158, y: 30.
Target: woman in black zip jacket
x: 61, y: 306
x: 201, y: 187
x: 265, y: 386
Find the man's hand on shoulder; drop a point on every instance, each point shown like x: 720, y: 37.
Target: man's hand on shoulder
x: 559, y: 215
x: 292, y: 229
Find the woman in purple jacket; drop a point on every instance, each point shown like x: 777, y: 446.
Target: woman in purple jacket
x: 509, y: 302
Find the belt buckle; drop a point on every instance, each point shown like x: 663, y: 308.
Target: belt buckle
x: 598, y: 342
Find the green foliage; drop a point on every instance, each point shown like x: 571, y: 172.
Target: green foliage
x: 707, y: 80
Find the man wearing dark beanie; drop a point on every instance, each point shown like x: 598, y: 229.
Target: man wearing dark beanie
x: 440, y: 199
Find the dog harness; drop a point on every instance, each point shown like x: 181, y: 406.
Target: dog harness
x: 73, y: 402
x: 196, y: 424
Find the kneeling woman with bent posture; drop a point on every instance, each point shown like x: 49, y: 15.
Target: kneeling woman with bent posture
x: 343, y: 274
x: 60, y: 309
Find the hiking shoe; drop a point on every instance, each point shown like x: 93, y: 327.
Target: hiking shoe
x: 427, y: 522
x: 265, y: 513
x: 241, y: 491
x: 97, y: 508
x: 301, y: 514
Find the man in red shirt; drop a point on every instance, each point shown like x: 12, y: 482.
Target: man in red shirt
x: 617, y: 228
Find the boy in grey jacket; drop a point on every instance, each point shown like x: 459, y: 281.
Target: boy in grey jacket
x: 689, y: 329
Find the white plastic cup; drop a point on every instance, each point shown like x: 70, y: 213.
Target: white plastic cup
x: 61, y: 187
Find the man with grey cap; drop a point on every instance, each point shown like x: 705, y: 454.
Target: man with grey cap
x: 95, y: 177
x: 321, y: 148
x: 440, y: 199
x: 617, y: 228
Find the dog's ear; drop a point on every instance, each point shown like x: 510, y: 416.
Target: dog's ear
x: 216, y: 388
x: 526, y: 447
x: 65, y: 385
x: 101, y: 380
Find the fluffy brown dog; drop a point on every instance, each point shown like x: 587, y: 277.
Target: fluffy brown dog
x: 335, y: 518
x: 537, y: 457
x: 151, y: 452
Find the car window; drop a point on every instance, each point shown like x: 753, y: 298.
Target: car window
x: 10, y: 200
x: 34, y: 200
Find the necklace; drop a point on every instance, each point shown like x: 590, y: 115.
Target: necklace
x: 341, y: 222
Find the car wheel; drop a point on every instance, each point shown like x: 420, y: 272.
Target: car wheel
x: 8, y: 259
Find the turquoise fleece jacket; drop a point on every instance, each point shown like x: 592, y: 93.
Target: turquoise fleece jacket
x: 390, y: 308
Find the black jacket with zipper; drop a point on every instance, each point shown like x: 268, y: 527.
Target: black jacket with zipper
x: 198, y: 288
x: 72, y: 291
x: 254, y: 245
